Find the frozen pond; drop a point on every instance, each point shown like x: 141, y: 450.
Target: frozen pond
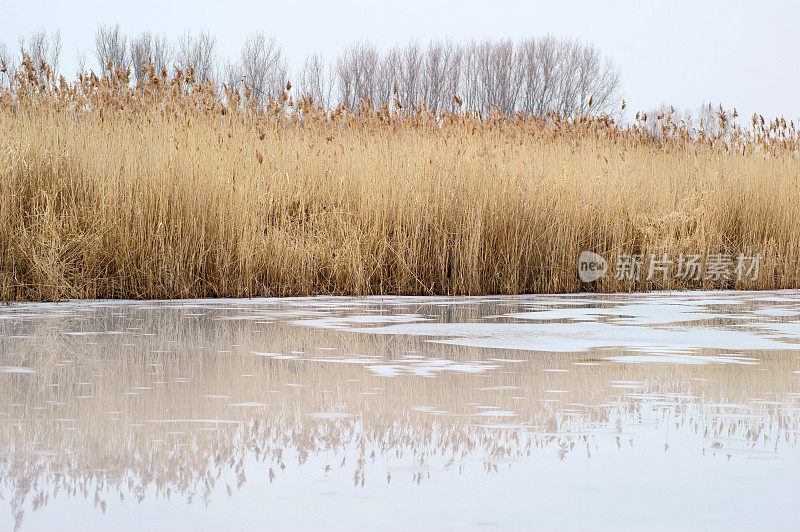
x: 581, y: 411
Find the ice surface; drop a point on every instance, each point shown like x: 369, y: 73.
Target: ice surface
x: 632, y: 411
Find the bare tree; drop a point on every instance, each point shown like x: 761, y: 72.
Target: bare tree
x: 263, y: 67
x: 388, y: 82
x: 111, y: 48
x: 55, y: 50
x: 41, y: 46
x: 344, y: 81
x: 539, y: 62
x: 141, y: 52
x: 540, y: 76
x: 230, y: 73
x: 149, y: 50
x: 80, y: 62
x: 161, y: 53
x: 536, y: 76
x: 470, y: 88
x: 586, y: 84
x: 501, y: 80
x: 409, y: 76
x: 315, y: 81
x: 199, y: 52
x: 440, y: 70
x: 357, y: 72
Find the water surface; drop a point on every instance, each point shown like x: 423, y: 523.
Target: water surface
x: 598, y: 411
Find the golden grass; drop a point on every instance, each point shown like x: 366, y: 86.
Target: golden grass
x: 167, y: 191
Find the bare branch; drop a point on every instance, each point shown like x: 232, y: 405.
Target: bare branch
x: 111, y: 48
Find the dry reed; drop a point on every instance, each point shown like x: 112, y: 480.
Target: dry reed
x: 174, y: 189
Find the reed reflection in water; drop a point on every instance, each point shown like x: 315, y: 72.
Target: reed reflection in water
x: 544, y: 410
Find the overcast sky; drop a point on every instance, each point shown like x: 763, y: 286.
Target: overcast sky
x: 742, y: 54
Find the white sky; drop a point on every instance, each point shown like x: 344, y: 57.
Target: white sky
x: 742, y: 54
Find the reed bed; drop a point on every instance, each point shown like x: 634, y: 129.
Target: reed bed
x: 178, y: 189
